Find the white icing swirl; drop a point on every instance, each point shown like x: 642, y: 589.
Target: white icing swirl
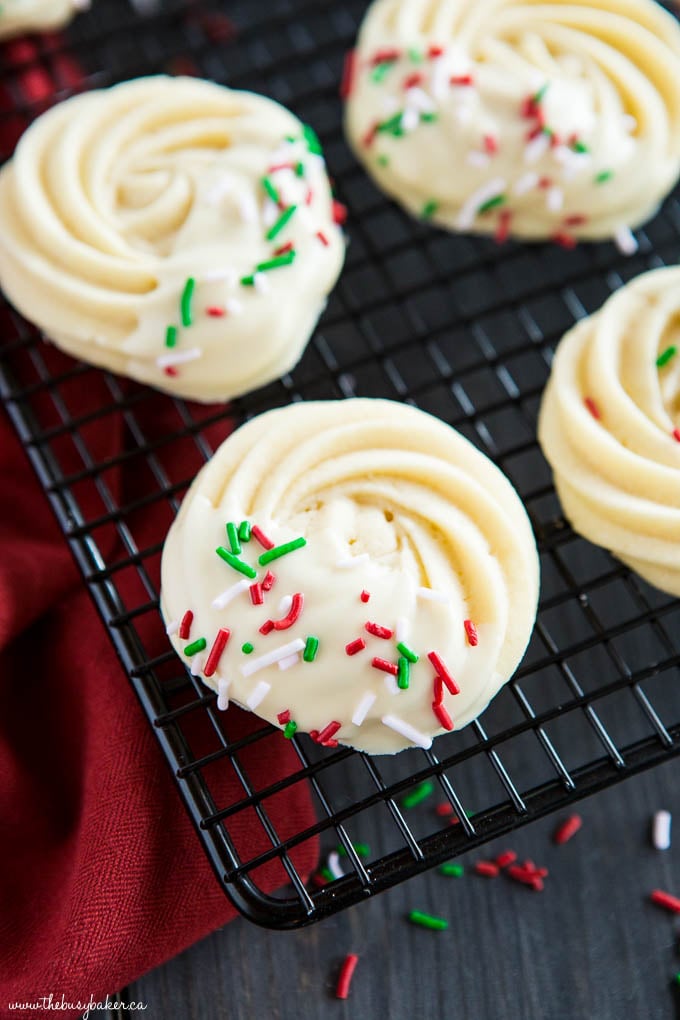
x: 541, y: 120
x: 18, y: 16
x: 608, y: 426
x: 390, y: 501
x: 114, y: 199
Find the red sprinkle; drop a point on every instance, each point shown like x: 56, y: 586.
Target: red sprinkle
x: 442, y: 715
x: 369, y: 137
x: 281, y: 166
x: 267, y: 627
x: 309, y: 197
x: 503, y: 228
x: 36, y: 84
x: 444, y: 809
x: 434, y: 51
x: 490, y: 145
x: 443, y: 672
x: 286, y: 621
x: 676, y: 435
x: 185, y: 625
x: 525, y: 877
x: 507, y: 857
x: 216, y: 651
x: 322, y: 237
x: 413, y: 79
x: 170, y: 370
x: 384, y: 56
x: 377, y: 631
x: 355, y: 646
x: 288, y: 246
x: 329, y: 731
x: 284, y: 717
x: 256, y: 594
x: 471, y: 631
x: 664, y: 899
x: 345, y: 979
x: 462, y: 79
x: 487, y: 868
x: 257, y: 533
x: 545, y: 183
x: 365, y: 595
x: 529, y: 107
x: 564, y: 239
x: 347, y: 80
x: 385, y: 666
x: 438, y: 691
x: 216, y: 311
x: 339, y: 212
x: 592, y: 407
x: 564, y: 832
x: 268, y: 579
x: 577, y: 220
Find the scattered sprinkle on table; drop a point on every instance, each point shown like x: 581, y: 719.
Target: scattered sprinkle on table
x: 665, y: 900
x: 452, y: 870
x: 346, y: 973
x: 419, y: 794
x: 428, y: 921
x: 661, y: 830
x: 567, y: 829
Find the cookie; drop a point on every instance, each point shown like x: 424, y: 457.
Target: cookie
x: 17, y: 16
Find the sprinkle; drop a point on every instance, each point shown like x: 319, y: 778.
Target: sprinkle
x: 348, y: 69
x: 667, y: 356
x: 431, y: 595
x: 527, y: 182
x: 592, y: 407
x: 322, y: 237
x: 540, y: 95
x: 478, y: 199
x: 438, y: 692
x: 290, y: 730
x: 352, y: 561
x: 404, y: 673
x: 414, y: 55
x: 233, y: 306
x: 555, y: 199
x: 256, y: 594
x: 405, y: 729
x: 661, y: 830
x: 365, y: 595
x: 361, y: 850
x: 258, y: 695
x: 283, y: 717
x: 579, y: 146
x: 270, y: 189
x: 216, y: 312
x: 536, y: 148
x: 402, y: 630
x: 503, y: 229
x: 281, y: 550
x: 443, y: 672
x: 244, y: 531
x: 169, y: 370
x: 413, y: 79
x: 185, y: 625
x: 419, y: 794
x: 261, y: 283
x: 506, y: 858
x: 268, y: 581
x: 452, y: 870
x: 223, y: 694
x: 377, y: 631
x: 384, y: 665
x: 196, y: 665
x: 235, y: 562
x: 312, y: 139
x: 226, y: 597
x: 487, y: 868
x: 363, y: 708
x: 676, y: 435
x: 525, y: 877
x: 218, y: 647
x: 626, y: 241
x: 339, y: 212
x: 260, y: 536
x: 664, y: 899
x: 232, y: 535
x: 179, y: 357
x: 277, y: 227
x: 311, y: 648
x: 296, y: 606
x: 369, y: 137
x: 171, y: 336
x: 289, y: 661
x: 428, y: 921
x: 464, y: 80
x: 444, y: 810
x: 247, y: 648
x: 604, y: 176
x: 355, y: 646
x: 185, y: 303
x: 172, y: 627
x: 380, y: 70
x: 407, y: 652
x: 567, y: 829
x: 329, y: 731
x: 345, y: 978
x: 255, y: 665
x: 284, y: 248
x: 391, y: 685
x: 196, y: 646
x: 471, y: 633
x: 491, y: 203
x: 334, y: 862
x: 564, y: 239
x: 490, y: 145
x: 429, y: 209
x: 443, y: 716
x: 577, y: 220
x: 309, y: 197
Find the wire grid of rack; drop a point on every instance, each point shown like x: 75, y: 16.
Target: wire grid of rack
x: 456, y: 325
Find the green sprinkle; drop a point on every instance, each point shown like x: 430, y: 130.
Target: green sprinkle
x: 247, y: 648
x: 452, y: 870
x: 404, y: 674
x: 312, y: 139
x: 281, y: 550
x: 171, y: 336
x: 289, y: 138
x: 360, y: 849
x: 549, y: 132
x: 415, y: 56
x: 380, y: 70
x: 604, y: 176
x: 392, y: 126
x: 429, y: 118
x: 248, y: 281
x: 235, y: 562
x: 195, y: 646
x: 311, y: 648
x: 578, y: 146
x: 185, y: 304
x: 492, y: 203
x: 232, y: 535
x: 326, y: 872
x: 540, y: 95
x: 419, y: 794
x: 428, y: 921
x: 677, y: 978
x: 244, y: 531
x: 277, y: 227
x: 270, y: 189
x: 383, y: 160
x: 290, y: 731
x: 667, y: 355
x: 280, y: 260
x: 407, y: 652
x: 300, y: 169
x: 429, y: 209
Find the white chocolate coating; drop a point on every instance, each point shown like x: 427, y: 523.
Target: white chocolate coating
x: 390, y: 501
x: 18, y: 16
x: 459, y: 128
x: 115, y: 198
x: 618, y: 475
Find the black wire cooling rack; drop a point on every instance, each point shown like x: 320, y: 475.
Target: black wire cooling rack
x: 459, y: 326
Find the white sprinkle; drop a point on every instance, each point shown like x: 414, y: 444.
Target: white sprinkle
x: 270, y: 213
x: 483, y: 194
x: 225, y: 598
x: 219, y: 189
x: 439, y: 79
x: 258, y: 694
x: 391, y: 684
x: 626, y: 241
x: 555, y: 199
x: 282, y: 652
x: 261, y: 283
x: 527, y: 182
x: 229, y: 275
x: 196, y: 665
x: 661, y: 831
x: 363, y: 708
x: 334, y: 865
x: 536, y: 148
x: 285, y: 604
x: 478, y: 159
x: 408, y: 731
x: 431, y: 595
x: 247, y: 207
x: 290, y: 660
x: 403, y: 629
x: 179, y: 357
x: 410, y: 119
x: 352, y: 561
x: 419, y: 100
x: 172, y: 627
x: 223, y: 694
x: 233, y: 306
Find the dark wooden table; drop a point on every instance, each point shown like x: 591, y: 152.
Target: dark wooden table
x: 590, y: 947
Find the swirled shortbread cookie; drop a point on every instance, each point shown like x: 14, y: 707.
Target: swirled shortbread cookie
x: 171, y: 230
x: 355, y: 570
x: 18, y: 16
x: 610, y: 426
x: 538, y: 120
